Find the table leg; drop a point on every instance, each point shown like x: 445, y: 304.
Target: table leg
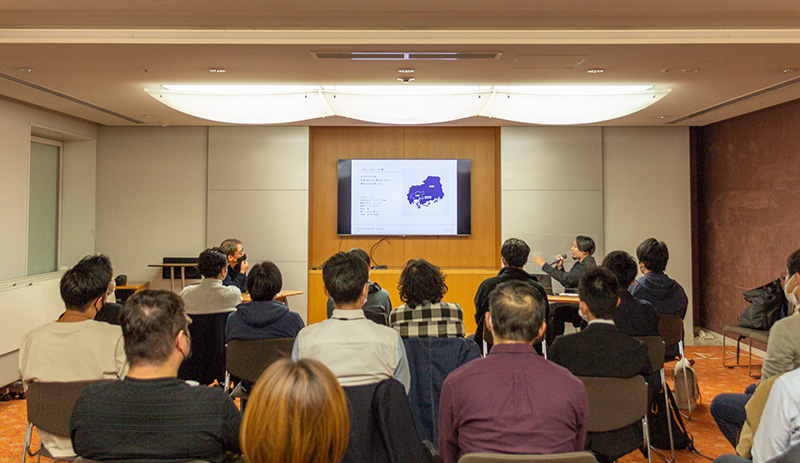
x: 172, y: 278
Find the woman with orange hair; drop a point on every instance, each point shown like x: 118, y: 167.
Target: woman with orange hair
x: 296, y: 413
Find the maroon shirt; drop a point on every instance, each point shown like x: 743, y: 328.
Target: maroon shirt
x: 512, y: 401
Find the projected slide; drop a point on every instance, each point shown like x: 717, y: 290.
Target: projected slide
x: 404, y: 197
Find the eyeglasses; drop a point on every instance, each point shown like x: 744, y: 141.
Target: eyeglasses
x: 784, y: 274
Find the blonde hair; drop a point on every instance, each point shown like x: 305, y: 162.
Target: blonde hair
x: 296, y: 413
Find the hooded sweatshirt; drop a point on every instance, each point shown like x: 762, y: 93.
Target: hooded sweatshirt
x: 666, y: 295
x: 263, y: 320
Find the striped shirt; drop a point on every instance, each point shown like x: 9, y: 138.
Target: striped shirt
x: 439, y: 320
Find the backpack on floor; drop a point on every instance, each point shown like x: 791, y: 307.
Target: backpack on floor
x: 681, y: 374
x: 657, y: 422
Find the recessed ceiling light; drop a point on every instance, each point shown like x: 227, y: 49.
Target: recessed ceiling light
x: 595, y: 71
x: 661, y: 116
x: 405, y: 71
x: 218, y: 70
x: 26, y: 69
x: 146, y: 70
x: 406, y: 80
x: 666, y: 71
x: 691, y: 70
x: 789, y: 70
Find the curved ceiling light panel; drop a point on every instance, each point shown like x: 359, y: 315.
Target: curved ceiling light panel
x: 245, y: 104
x: 407, y: 104
x: 538, y: 104
x: 568, y: 105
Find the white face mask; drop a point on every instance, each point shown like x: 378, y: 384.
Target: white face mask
x: 790, y: 296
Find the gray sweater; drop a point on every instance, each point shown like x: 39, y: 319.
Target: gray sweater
x: 209, y: 296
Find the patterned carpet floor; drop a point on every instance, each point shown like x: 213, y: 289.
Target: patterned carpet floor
x: 713, y: 379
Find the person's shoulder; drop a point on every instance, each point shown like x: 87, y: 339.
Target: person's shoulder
x: 189, y: 288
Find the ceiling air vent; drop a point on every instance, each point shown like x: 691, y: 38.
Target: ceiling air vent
x: 406, y: 56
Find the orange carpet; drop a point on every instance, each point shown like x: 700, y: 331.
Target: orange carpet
x: 713, y: 378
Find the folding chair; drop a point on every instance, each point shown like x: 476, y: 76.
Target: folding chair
x: 49, y: 408
x: 615, y: 403
x: 670, y: 328
x: 248, y: 359
x: 571, y: 457
x: 655, y: 350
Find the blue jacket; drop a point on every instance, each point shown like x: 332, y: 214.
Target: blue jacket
x: 263, y: 320
x: 664, y: 293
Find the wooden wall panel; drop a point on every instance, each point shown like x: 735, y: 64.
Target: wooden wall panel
x: 480, y: 144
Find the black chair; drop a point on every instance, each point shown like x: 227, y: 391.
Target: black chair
x: 49, y: 408
x: 377, y: 317
x: 430, y: 360
x: 246, y: 360
x: 655, y: 351
x: 616, y: 403
x: 381, y: 425
x: 206, y: 363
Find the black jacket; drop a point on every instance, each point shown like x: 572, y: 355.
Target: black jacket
x: 635, y: 317
x: 570, y: 279
x: 489, y: 284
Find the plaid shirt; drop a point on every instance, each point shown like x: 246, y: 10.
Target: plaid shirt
x: 439, y: 320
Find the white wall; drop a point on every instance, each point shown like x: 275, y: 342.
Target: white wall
x: 552, y: 188
x: 647, y: 193
x: 15, y: 133
x: 258, y: 193
x: 151, y: 197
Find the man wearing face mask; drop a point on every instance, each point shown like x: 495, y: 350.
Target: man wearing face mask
x: 75, y: 347
x: 151, y: 415
x: 783, y: 355
x: 237, y: 264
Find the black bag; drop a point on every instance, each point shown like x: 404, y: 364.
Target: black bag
x: 657, y: 422
x: 767, y: 305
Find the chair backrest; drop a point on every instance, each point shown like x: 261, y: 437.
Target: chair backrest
x: 670, y: 328
x: 655, y: 350
x: 571, y: 457
x: 50, y: 404
x: 615, y: 402
x: 382, y: 428
x: 207, y: 361
x: 430, y: 360
x: 248, y: 359
x: 377, y: 317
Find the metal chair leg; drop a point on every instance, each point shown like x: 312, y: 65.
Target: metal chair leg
x: 27, y: 446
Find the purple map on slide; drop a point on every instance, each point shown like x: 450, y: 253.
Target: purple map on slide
x: 428, y: 193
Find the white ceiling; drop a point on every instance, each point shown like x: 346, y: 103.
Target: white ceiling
x: 104, y: 53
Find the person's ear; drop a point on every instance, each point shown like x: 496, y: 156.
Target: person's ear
x: 541, y: 333
x: 327, y: 294
x: 619, y: 301
x: 584, y: 308
x: 488, y: 321
x: 365, y: 291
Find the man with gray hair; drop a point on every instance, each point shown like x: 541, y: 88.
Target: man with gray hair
x: 512, y: 400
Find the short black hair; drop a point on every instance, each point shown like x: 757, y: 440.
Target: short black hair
x: 585, y: 244
x: 230, y: 246
x: 344, y: 275
x: 211, y: 262
x: 264, y: 281
x: 598, y: 288
x: 150, y: 320
x: 421, y: 282
x: 623, y: 266
x: 363, y: 254
x: 515, y: 252
x: 85, y: 282
x: 518, y: 311
x: 653, y: 254
x: 793, y: 263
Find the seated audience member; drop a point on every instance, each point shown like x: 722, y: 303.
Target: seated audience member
x: 514, y: 256
x: 603, y: 350
x: 75, y: 347
x: 779, y: 430
x: 512, y: 400
x: 582, y: 249
x: 355, y: 349
x: 655, y: 287
x: 424, y: 315
x: 263, y: 318
x: 152, y: 415
x: 378, y: 300
x: 632, y: 316
x: 783, y: 354
x: 237, y: 264
x: 210, y: 296
x: 297, y: 413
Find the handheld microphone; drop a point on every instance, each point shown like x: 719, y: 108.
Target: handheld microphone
x: 560, y: 258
